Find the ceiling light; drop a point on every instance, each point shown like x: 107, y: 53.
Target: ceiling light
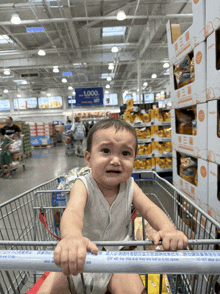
x: 24, y: 82
x: 64, y: 80
x: 7, y: 72
x: 111, y: 66
x: 154, y: 76
x: 114, y: 49
x: 41, y: 52
x: 145, y: 84
x: 18, y: 95
x: 162, y: 92
x: 48, y: 94
x: 15, y: 19
x: 109, y: 78
x: 107, y: 86
x: 166, y: 65
x: 5, y: 91
x: 121, y: 15
x: 70, y: 88
x: 106, y: 92
x: 55, y: 69
x: 74, y: 93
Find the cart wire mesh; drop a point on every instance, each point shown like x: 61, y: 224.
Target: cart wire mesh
x: 19, y: 222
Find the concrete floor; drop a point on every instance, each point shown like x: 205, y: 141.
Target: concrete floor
x: 45, y: 165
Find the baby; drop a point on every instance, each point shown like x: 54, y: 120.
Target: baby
x: 15, y: 147
x: 99, y: 209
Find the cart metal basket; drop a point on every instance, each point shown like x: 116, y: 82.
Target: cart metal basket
x: 20, y: 227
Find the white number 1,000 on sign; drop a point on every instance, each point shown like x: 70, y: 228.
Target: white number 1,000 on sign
x: 90, y: 93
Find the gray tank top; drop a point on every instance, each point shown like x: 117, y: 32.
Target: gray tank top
x: 103, y: 222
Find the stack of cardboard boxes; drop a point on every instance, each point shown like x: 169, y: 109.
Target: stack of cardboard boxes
x: 202, y: 95
x: 42, y: 134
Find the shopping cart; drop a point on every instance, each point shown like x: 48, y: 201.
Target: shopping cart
x: 70, y: 143
x: 193, y: 271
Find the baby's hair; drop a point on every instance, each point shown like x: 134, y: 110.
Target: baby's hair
x: 2, y: 131
x: 107, y: 123
x: 17, y: 134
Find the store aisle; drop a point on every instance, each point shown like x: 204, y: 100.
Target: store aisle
x: 44, y: 165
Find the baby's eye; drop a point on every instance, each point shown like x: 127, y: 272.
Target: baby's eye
x: 126, y: 153
x: 105, y: 150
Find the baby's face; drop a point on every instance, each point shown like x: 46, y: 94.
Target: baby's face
x: 112, y: 156
x: 15, y: 137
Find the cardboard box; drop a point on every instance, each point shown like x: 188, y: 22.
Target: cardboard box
x: 213, y: 139
x: 192, y: 37
x: 213, y: 75
x: 212, y: 16
x: 194, y: 92
x: 199, y: 194
x: 41, y: 140
x: 214, y: 196
x: 196, y: 146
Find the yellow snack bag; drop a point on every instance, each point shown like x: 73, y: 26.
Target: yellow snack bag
x: 158, y: 115
x: 138, y: 133
x: 148, y: 149
x: 137, y: 118
x: 157, y: 146
x: 136, y: 164
x: 148, y: 163
x: 152, y: 113
x: 166, y: 116
x: 167, y: 132
x: 130, y: 103
x: 142, y: 164
x: 169, y: 162
x: 160, y: 132
x: 167, y: 147
x: 148, y: 133
x: 146, y: 117
x: 141, y: 149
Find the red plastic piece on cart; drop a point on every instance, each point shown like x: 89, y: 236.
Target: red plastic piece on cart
x: 44, y: 222
x: 68, y: 140
x: 133, y: 215
x: 36, y: 286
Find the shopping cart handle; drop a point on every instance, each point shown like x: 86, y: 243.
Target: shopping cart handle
x: 141, y: 262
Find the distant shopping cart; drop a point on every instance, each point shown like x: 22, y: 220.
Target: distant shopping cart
x: 194, y: 271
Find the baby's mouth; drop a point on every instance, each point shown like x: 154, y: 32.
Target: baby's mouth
x: 113, y: 171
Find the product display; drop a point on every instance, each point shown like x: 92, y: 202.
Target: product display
x: 188, y: 169
x: 186, y: 121
x: 184, y: 71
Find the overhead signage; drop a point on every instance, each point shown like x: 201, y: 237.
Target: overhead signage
x: 50, y: 102
x: 35, y: 30
x: 4, y: 104
x: 71, y: 101
x: 69, y: 73
x: 149, y: 98
x: 25, y: 103
x: 110, y: 99
x: 89, y: 96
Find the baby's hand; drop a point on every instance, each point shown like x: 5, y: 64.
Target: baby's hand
x: 70, y: 254
x: 171, y: 240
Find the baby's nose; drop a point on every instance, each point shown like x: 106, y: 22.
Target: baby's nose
x: 115, y: 160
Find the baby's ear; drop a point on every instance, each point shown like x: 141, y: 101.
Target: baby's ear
x: 87, y: 157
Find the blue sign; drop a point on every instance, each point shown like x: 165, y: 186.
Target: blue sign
x: 67, y: 73
x: 4, y: 104
x: 35, y: 30
x: 89, y: 96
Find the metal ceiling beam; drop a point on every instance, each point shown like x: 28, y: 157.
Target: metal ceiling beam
x: 93, y: 18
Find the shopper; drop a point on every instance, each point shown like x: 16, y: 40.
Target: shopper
x: 100, y: 209
x: 68, y: 125
x: 11, y: 128
x: 78, y: 130
x: 5, y: 156
x: 14, y: 148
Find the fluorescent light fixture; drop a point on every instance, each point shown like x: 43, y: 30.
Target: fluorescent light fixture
x: 41, y: 52
x: 145, y: 84
x: 109, y: 79
x: 162, y: 92
x: 24, y: 82
x: 107, y: 86
x: 18, y: 95
x: 70, y: 88
x: 113, y: 31
x: 48, y: 94
x: 4, y: 39
x: 114, y: 49
x: 5, y: 91
x: 64, y: 80
x: 15, y: 19
x: 74, y: 93
x: 167, y: 72
x: 166, y: 65
x: 7, y: 72
x: 121, y: 15
x: 55, y: 69
x: 106, y: 92
x: 154, y: 76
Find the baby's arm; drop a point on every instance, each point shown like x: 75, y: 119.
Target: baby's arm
x: 171, y: 238
x: 70, y: 252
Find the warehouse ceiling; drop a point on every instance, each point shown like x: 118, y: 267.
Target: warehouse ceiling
x: 77, y: 37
